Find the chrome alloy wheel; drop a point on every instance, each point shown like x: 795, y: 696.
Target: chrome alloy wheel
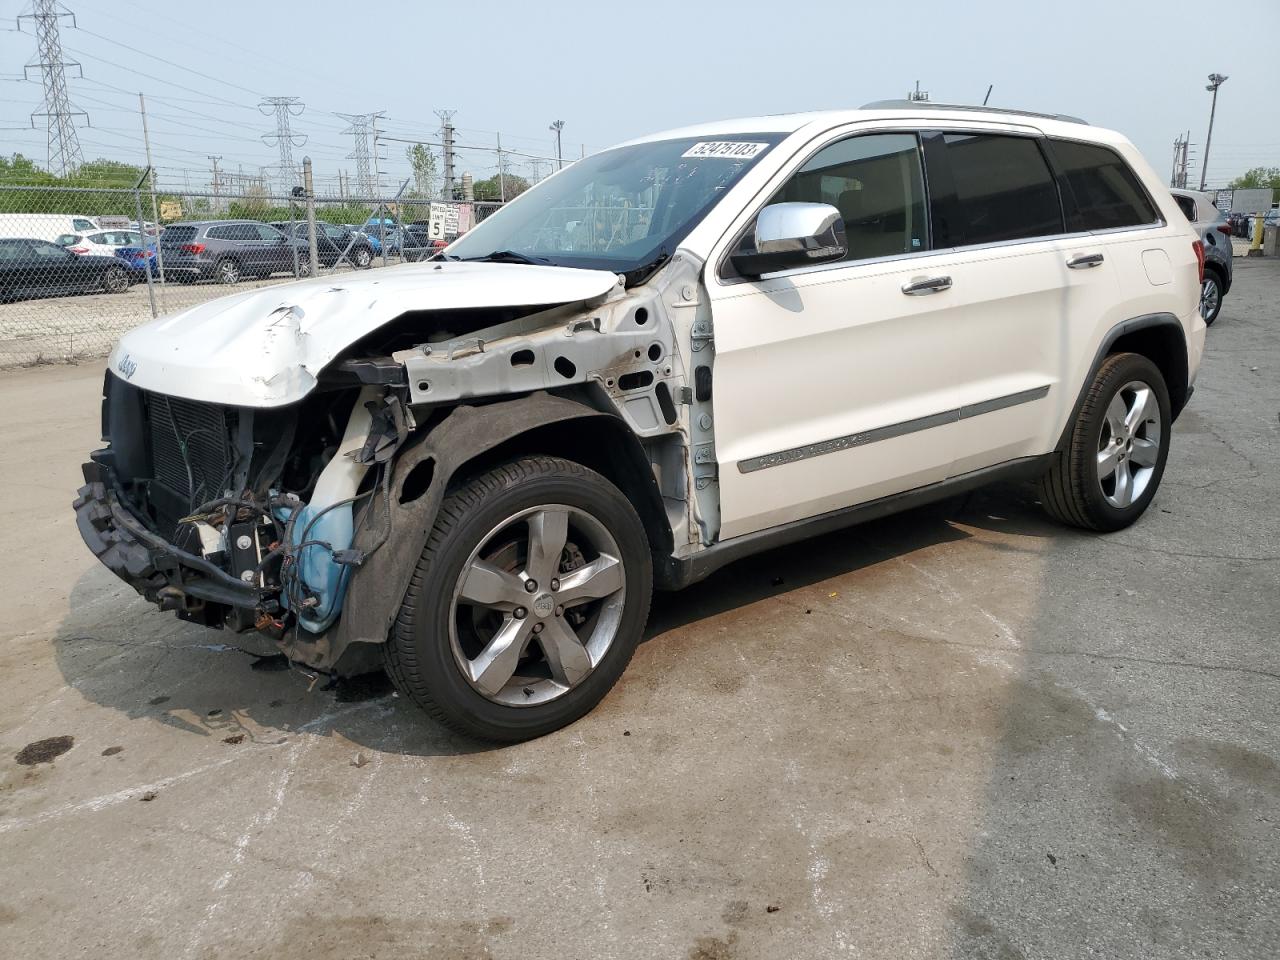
x: 1210, y: 298
x: 537, y: 605
x: 1129, y: 445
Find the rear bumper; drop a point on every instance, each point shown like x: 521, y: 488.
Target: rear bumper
x: 158, y: 570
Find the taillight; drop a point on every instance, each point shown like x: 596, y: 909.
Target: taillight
x: 1198, y: 247
x: 196, y: 248
x: 1224, y: 228
x: 78, y: 249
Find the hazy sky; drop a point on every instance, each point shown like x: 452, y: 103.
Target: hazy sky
x: 613, y: 71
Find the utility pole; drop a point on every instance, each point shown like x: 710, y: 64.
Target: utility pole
x: 361, y: 123
x: 502, y: 171
x: 217, y: 183
x: 155, y: 211
x: 309, y: 188
x: 557, y: 126
x: 446, y: 141
x: 1215, y: 81
x: 59, y: 112
x: 284, y: 108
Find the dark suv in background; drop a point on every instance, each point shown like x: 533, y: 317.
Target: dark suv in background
x: 227, y: 250
x: 333, y: 244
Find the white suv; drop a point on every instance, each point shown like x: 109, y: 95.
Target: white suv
x: 690, y: 347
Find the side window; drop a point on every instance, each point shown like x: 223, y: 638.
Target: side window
x: 47, y: 251
x: 78, y: 223
x: 1107, y: 193
x: 1187, y: 206
x: 266, y: 233
x: 219, y: 233
x: 876, y: 183
x: 244, y: 232
x: 12, y: 250
x: 1004, y: 189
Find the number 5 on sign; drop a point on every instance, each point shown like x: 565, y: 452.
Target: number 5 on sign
x: 435, y: 222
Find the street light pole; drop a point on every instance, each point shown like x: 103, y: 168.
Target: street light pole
x: 1215, y: 81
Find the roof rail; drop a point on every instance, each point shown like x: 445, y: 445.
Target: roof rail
x: 931, y: 105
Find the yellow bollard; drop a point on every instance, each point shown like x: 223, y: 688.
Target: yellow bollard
x: 1255, y: 250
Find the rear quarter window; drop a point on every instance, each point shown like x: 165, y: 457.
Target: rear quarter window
x: 1107, y: 194
x: 1187, y: 206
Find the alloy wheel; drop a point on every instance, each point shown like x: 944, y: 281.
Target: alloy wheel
x: 537, y: 605
x: 1210, y: 298
x: 1129, y: 444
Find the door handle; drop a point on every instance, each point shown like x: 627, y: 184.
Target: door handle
x: 917, y: 288
x: 1084, y: 260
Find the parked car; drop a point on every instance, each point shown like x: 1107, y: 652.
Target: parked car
x: 475, y: 470
x: 126, y: 245
x: 334, y: 244
x: 37, y: 268
x: 416, y: 243
x: 228, y: 250
x: 1212, y: 226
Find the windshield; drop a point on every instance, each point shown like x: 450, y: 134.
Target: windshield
x: 620, y: 210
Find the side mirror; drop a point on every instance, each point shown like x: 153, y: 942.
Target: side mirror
x: 791, y: 235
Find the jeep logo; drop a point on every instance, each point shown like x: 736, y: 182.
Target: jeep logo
x: 127, y: 366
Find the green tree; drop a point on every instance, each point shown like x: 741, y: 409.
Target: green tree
x: 491, y: 189
x: 423, y: 162
x: 1258, y: 178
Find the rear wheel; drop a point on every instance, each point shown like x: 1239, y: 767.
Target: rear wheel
x: 227, y: 271
x: 1210, y: 298
x: 115, y: 280
x: 362, y: 257
x: 527, y: 603
x: 1114, y: 458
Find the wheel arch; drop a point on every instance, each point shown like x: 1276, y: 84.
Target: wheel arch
x: 464, y: 442
x: 1157, y: 336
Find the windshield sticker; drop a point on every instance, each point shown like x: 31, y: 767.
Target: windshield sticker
x: 728, y: 149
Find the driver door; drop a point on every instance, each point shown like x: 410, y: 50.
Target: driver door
x: 832, y: 383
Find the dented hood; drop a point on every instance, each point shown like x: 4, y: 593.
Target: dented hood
x: 265, y: 347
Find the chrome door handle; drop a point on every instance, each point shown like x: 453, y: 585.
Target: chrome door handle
x: 1085, y: 260
x: 917, y: 288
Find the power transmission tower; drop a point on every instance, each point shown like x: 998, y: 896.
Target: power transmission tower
x: 217, y: 184
x: 60, y: 113
x: 446, y: 141
x: 361, y: 124
x: 284, y: 108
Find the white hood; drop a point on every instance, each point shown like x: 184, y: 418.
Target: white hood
x: 265, y: 347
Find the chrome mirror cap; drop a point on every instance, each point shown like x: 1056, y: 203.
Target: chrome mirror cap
x: 791, y: 235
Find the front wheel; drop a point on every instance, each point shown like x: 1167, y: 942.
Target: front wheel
x: 527, y: 603
x: 1114, y: 457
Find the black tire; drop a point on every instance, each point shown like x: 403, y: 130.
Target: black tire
x: 1071, y: 490
x: 1211, y: 278
x: 419, y: 656
x: 362, y: 257
x: 226, y: 271
x: 115, y: 280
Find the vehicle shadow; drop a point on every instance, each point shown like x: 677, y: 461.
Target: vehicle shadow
x: 117, y: 651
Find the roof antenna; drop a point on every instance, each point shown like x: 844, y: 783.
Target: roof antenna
x: 988, y: 96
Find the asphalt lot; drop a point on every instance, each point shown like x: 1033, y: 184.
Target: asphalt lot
x: 962, y: 732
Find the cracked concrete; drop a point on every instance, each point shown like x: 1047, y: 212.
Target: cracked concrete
x: 962, y: 732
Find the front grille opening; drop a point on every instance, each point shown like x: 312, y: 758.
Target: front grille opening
x: 192, y: 454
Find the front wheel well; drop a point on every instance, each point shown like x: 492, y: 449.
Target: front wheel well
x: 601, y: 443
x: 1164, y: 345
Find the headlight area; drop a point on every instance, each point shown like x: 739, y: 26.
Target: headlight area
x: 240, y: 518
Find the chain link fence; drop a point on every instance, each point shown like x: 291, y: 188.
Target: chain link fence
x: 80, y: 266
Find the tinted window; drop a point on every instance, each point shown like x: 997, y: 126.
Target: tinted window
x: 1004, y: 190
x: 876, y: 183
x: 67, y: 239
x: 47, y: 251
x: 13, y: 250
x: 214, y: 233
x: 1107, y: 194
x: 1187, y: 206
x: 179, y: 234
x: 82, y: 224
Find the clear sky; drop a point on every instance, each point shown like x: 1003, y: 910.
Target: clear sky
x: 612, y: 71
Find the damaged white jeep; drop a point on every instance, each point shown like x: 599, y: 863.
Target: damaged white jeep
x: 474, y: 470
